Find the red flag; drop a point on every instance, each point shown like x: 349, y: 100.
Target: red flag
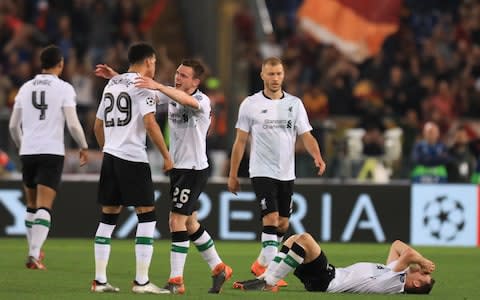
x: 356, y: 27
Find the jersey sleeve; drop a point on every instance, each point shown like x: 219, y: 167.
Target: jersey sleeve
x: 146, y: 100
x: 244, y: 121
x: 205, y: 105
x: 70, y: 96
x: 18, y: 98
x: 302, y: 124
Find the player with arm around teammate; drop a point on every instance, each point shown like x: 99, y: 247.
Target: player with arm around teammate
x: 405, y: 271
x: 125, y: 116
x: 189, y: 119
x: 42, y: 106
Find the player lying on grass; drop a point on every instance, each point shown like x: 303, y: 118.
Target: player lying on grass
x: 406, y: 271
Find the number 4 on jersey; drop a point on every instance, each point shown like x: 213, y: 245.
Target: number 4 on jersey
x: 42, y: 106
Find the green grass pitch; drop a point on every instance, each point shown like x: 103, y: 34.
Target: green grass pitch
x: 70, y: 266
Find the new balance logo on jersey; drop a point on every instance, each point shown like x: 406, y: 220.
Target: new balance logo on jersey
x: 264, y: 111
x: 289, y: 124
x: 185, y: 118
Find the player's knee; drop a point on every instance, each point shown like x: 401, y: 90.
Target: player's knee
x: 306, y: 238
x: 192, y: 222
x: 177, y: 222
x: 283, y: 225
x: 291, y: 239
x: 270, y: 219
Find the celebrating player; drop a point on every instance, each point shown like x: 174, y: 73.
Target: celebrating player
x: 125, y: 116
x: 188, y: 120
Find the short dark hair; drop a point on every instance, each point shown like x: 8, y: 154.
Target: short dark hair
x: 273, y: 61
x: 138, y: 52
x: 197, y: 66
x: 424, y: 289
x: 50, y: 57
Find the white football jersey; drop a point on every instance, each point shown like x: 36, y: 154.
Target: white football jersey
x: 42, y: 100
x: 122, y: 109
x: 188, y: 131
x: 273, y: 126
x: 368, y: 278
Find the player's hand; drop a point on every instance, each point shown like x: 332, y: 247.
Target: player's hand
x: 321, y: 165
x: 83, y: 157
x: 428, y: 266
x: 145, y: 82
x: 233, y: 184
x: 167, y: 165
x: 104, y: 71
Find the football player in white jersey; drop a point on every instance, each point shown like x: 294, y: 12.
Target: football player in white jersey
x: 189, y: 119
x: 406, y: 271
x: 125, y: 116
x: 273, y: 119
x: 42, y: 106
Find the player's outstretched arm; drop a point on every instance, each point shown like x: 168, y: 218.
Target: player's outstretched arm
x: 174, y: 94
x: 105, y: 71
x: 313, y: 149
x: 156, y: 136
x: 238, y: 150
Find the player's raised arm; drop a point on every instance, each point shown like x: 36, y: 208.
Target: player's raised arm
x: 406, y: 256
x: 174, y: 94
x: 105, y: 71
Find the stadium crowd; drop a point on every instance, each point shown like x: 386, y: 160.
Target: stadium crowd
x: 428, y: 71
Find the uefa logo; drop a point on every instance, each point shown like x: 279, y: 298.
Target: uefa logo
x: 444, y: 214
x: 444, y: 218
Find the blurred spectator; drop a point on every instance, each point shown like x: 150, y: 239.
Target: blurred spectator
x: 462, y: 161
x: 430, y: 157
x: 101, y: 37
x: 244, y: 22
x: 373, y: 139
x: 269, y: 47
x: 217, y: 133
x: 440, y: 107
x: 410, y: 126
x: 475, y: 149
x: 316, y: 103
x: 5, y: 86
x: 83, y: 82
